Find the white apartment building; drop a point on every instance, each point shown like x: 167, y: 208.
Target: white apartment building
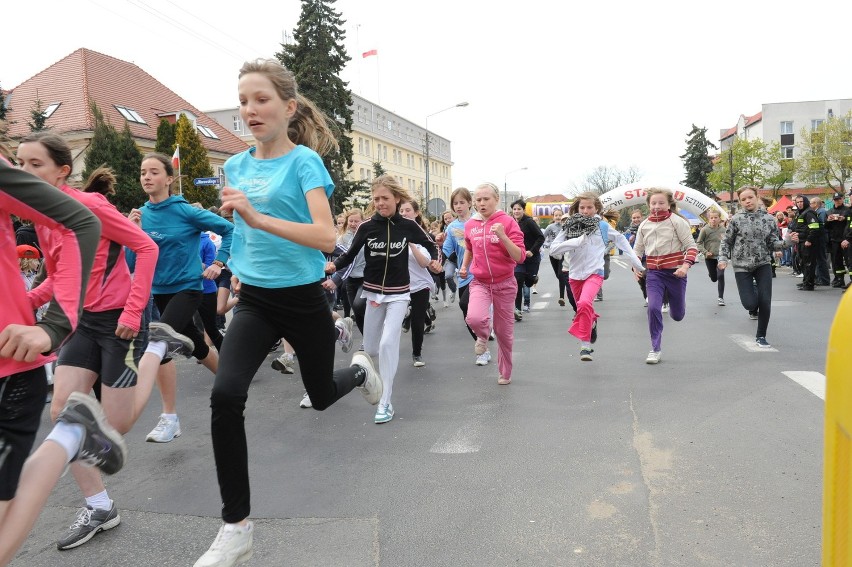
x: 782, y: 122
x: 380, y: 135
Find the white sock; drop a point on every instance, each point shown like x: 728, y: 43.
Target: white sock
x: 158, y: 348
x: 586, y: 345
x: 99, y: 501
x: 69, y: 436
x: 170, y: 416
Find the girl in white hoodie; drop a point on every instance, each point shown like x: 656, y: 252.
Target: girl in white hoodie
x: 583, y: 240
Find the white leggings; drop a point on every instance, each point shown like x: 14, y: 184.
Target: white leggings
x: 382, y: 330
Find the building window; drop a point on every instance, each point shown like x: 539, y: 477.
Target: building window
x: 367, y: 148
x: 361, y: 146
x: 787, y: 127
x: 130, y: 115
x: 385, y: 153
x: 786, y: 152
x: 238, y: 124
x: 362, y: 173
x: 207, y: 132
x: 51, y: 108
x: 815, y: 124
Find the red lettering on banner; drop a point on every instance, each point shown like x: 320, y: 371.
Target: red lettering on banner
x: 679, y: 195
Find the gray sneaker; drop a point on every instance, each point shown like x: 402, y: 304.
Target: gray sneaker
x: 88, y: 523
x: 284, y: 363
x: 176, y: 343
x: 372, y: 387
x: 102, y: 446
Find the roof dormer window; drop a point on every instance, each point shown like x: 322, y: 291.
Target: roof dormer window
x: 50, y: 110
x: 207, y: 132
x: 130, y: 115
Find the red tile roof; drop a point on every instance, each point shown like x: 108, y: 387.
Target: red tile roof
x: 549, y: 198
x: 87, y: 76
x: 748, y: 122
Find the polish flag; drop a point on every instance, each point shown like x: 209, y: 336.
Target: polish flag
x: 176, y: 158
x: 371, y: 52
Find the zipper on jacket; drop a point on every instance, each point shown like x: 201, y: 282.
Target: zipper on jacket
x: 387, y: 259
x: 485, y: 250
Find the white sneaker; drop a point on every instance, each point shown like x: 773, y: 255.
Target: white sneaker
x: 372, y: 387
x: 483, y: 359
x: 533, y: 290
x: 665, y: 307
x: 453, y: 297
x: 166, y: 430
x: 306, y: 401
x: 653, y: 357
x: 345, y: 339
x: 232, y: 546
x: 646, y: 302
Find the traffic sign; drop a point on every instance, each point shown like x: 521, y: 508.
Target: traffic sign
x: 205, y: 181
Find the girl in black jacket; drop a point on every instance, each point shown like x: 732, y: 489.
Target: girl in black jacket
x: 385, y: 238
x: 526, y: 274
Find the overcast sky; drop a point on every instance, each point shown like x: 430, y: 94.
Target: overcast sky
x: 554, y: 87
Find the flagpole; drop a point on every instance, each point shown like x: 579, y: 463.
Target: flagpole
x: 180, y: 179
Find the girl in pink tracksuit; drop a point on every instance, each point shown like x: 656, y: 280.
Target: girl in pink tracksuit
x: 494, y: 246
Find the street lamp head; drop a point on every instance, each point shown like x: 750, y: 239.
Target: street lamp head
x: 463, y: 104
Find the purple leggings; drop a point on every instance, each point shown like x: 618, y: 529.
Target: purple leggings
x: 664, y: 282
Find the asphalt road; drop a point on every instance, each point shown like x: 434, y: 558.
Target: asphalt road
x: 711, y: 458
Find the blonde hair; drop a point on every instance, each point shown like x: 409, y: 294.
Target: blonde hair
x: 491, y: 186
x: 390, y: 183
x: 586, y: 196
x: 309, y: 126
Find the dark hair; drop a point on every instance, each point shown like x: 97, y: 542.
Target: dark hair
x: 418, y: 217
x: 520, y: 202
x: 57, y: 148
x: 164, y: 159
x: 102, y: 180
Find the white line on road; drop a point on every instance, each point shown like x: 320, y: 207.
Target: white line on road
x: 814, y: 382
x: 620, y: 262
x: 547, y: 295
x: 748, y: 344
x: 468, y: 437
x: 539, y: 304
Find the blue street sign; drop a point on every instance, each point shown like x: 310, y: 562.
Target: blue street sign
x: 205, y: 181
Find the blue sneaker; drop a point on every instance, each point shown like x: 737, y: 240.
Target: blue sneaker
x: 384, y: 413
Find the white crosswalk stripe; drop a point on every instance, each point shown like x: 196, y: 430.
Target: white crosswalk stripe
x: 748, y: 344
x: 814, y: 382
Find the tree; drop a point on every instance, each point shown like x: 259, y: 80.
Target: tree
x: 193, y: 163
x: 165, y: 137
x: 118, y: 151
x: 3, y: 110
x: 825, y: 155
x: 606, y: 178
x: 755, y: 163
x: 696, y: 160
x: 37, y: 116
x: 316, y: 57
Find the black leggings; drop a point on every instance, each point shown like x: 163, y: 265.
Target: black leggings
x: 463, y: 300
x: 358, y: 303
x: 301, y: 316
x: 419, y: 303
x: 755, y: 289
x: 177, y: 310
x: 207, y: 312
x: 716, y: 275
x: 556, y: 263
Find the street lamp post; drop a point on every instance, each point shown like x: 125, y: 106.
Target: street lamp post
x: 461, y: 104
x: 506, y: 187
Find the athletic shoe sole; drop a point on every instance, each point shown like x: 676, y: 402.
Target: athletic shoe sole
x: 102, y: 528
x: 373, y: 386
x: 177, y: 343
x: 82, y: 409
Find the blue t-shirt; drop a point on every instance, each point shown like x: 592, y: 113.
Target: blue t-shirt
x: 276, y: 187
x: 208, y: 255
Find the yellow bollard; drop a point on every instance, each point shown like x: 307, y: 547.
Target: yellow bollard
x: 837, y: 485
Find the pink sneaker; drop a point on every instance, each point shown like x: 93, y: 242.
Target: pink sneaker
x: 504, y: 381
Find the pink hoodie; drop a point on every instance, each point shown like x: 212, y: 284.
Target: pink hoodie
x: 491, y: 261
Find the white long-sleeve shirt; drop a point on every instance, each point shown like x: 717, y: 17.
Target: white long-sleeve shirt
x: 585, y: 254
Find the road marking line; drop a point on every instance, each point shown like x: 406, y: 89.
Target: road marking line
x: 747, y: 343
x: 468, y: 437
x: 814, y: 382
x: 539, y: 304
x: 620, y: 262
x: 548, y: 294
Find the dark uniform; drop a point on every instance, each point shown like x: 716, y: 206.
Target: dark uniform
x: 808, y: 227
x: 837, y: 224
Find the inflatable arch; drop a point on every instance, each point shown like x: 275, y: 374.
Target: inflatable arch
x: 633, y: 195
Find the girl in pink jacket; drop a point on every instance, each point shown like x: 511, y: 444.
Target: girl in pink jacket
x: 494, y: 246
